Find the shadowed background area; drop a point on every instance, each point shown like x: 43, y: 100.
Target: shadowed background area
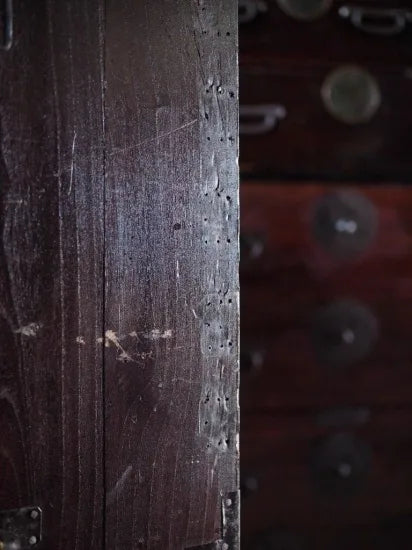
x: 326, y: 242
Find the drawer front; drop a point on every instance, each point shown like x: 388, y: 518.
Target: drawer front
x: 326, y: 120
x: 363, y: 32
x: 324, y: 347
x: 326, y: 322
x: 292, y: 232
x: 308, y: 476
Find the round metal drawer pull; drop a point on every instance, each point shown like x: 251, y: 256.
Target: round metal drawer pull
x: 351, y: 94
x: 250, y: 9
x: 305, y: 10
x: 251, y: 247
x: 341, y: 463
x: 343, y: 333
x: 251, y: 361
x: 344, y: 224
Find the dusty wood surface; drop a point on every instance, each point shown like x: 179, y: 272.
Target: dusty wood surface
x: 51, y: 270
x: 171, y: 285
x: 118, y: 272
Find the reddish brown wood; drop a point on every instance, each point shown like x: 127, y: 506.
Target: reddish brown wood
x: 51, y: 270
x: 171, y: 284
x: 278, y: 452
x: 294, y: 277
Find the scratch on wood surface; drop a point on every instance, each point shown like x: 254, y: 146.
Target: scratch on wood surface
x: 72, y: 163
x: 112, y: 339
x: 29, y: 330
x: 80, y: 340
x: 119, y: 484
x: 154, y: 139
x: 157, y: 334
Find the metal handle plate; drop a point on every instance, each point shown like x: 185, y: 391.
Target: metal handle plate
x: 6, y: 13
x: 380, y: 21
x: 260, y: 119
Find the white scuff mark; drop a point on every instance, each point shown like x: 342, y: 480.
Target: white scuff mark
x: 195, y: 314
x: 156, y: 139
x: 29, y: 330
x: 177, y: 270
x: 110, y: 339
x: 133, y: 334
x: 72, y: 163
x: 16, y: 201
x: 157, y: 334
x: 119, y: 484
x: 80, y: 340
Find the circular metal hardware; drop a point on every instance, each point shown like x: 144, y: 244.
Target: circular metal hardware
x: 351, y: 94
x: 341, y: 463
x: 251, y: 361
x: 345, y: 224
x: 249, y: 484
x: 305, y: 10
x: 344, y: 333
x: 248, y: 10
x: 251, y: 247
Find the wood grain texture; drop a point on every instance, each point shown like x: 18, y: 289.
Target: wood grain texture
x: 171, y: 272
x: 51, y: 271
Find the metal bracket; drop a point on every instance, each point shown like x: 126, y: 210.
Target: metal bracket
x: 230, y: 525
x: 6, y: 12
x: 20, y: 529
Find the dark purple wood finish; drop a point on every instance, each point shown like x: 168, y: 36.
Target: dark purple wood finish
x: 171, y: 272
x: 118, y: 272
x: 51, y: 271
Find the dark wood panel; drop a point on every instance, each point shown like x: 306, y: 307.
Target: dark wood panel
x: 282, y: 454
x: 171, y: 265
x: 273, y: 37
x: 51, y: 270
x: 309, y: 142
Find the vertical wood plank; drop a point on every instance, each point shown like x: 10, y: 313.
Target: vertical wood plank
x: 51, y: 269
x: 171, y: 274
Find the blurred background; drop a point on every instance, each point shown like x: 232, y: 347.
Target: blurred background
x: 326, y: 274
